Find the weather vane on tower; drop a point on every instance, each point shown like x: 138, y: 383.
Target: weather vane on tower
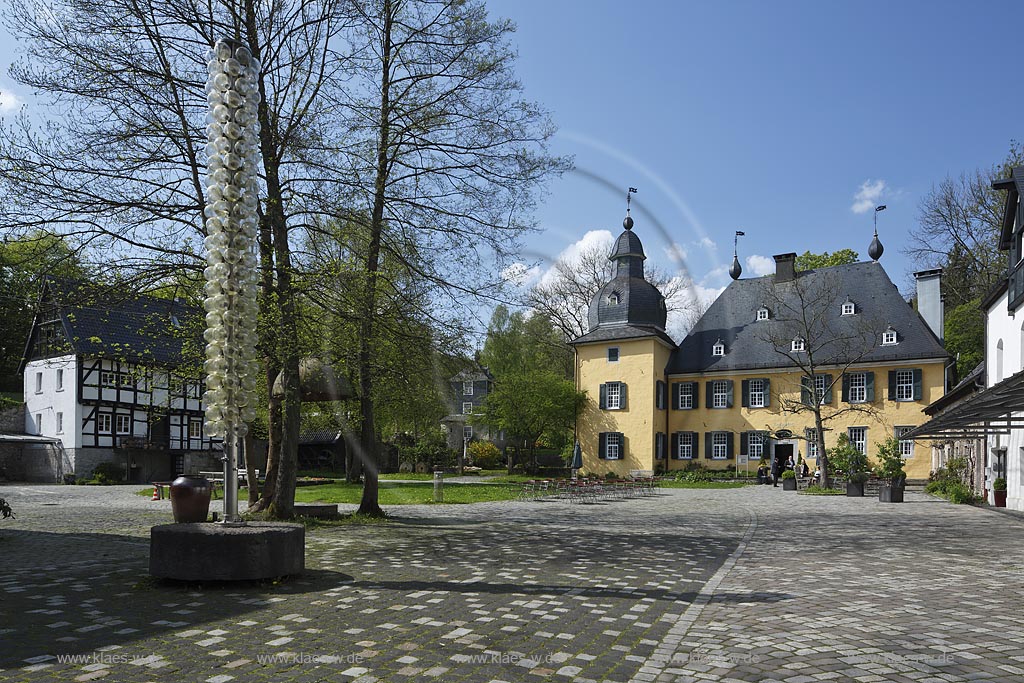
x: 628, y: 222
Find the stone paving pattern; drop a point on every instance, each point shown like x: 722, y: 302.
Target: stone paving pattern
x: 752, y: 584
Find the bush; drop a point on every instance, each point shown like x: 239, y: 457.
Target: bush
x: 484, y: 454
x: 890, y: 462
x: 844, y: 458
x: 958, y: 493
x: 107, y: 473
x: 5, y: 509
x: 815, y: 490
x: 695, y: 476
x: 999, y: 484
x: 789, y: 474
x: 431, y: 449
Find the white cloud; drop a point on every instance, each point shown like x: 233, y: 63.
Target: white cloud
x: 593, y: 239
x: 8, y: 100
x: 868, y: 195
x: 676, y: 253
x: 760, y: 265
x: 520, y: 274
x: 706, y: 242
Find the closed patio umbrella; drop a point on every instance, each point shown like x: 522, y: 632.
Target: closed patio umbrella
x: 577, y: 458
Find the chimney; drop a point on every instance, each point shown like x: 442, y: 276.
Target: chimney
x: 785, y: 267
x: 929, y: 299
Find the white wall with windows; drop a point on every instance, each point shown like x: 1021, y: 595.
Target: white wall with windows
x: 1004, y: 339
x: 50, y: 390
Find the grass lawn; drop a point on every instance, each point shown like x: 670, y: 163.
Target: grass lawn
x: 406, y: 494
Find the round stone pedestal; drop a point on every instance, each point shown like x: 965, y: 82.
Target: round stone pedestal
x: 214, y: 552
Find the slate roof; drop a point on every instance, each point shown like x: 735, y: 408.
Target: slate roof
x: 732, y: 318
x: 623, y: 332
x: 105, y: 322
x: 314, y: 437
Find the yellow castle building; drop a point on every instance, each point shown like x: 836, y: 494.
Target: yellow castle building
x: 738, y: 388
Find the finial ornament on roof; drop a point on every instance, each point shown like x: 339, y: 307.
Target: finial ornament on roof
x: 876, y: 248
x: 627, y: 222
x: 735, y: 270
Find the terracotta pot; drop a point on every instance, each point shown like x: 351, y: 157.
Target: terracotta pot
x: 190, y: 498
x: 1000, y: 498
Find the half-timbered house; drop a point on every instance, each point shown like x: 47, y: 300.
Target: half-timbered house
x: 117, y: 378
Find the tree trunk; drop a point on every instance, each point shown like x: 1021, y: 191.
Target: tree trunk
x: 250, y: 471
x: 823, y: 478
x: 369, y: 505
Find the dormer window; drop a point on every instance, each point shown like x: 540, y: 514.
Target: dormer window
x: 889, y: 337
x: 849, y: 308
x: 762, y: 313
x: 613, y: 299
x: 798, y: 344
x: 718, y: 349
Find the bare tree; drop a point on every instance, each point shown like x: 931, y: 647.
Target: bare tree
x: 444, y: 152
x: 806, y: 330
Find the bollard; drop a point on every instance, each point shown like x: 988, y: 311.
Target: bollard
x: 438, y: 486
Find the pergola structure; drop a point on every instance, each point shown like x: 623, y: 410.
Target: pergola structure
x: 991, y: 412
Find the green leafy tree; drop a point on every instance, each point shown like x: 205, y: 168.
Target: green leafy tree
x: 965, y: 335
x: 516, y: 343
x: 811, y: 261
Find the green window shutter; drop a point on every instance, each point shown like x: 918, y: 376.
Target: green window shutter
x: 622, y: 445
x: 917, y: 384
x: 869, y: 386
x: 892, y: 385
x: 846, y: 387
x: 622, y: 396
x: 675, y: 445
x: 707, y: 445
x: 728, y: 394
x: 709, y: 393
x: 744, y: 443
x: 730, y: 445
x: 745, y: 393
x: 694, y: 394
x: 806, y: 392
x: 676, y: 386
x: 828, y: 389
x: 602, y: 445
x: 603, y: 400
x: 767, y: 392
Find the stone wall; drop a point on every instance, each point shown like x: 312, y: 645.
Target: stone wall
x: 12, y: 420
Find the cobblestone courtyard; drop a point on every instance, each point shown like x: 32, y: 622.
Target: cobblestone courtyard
x: 751, y: 584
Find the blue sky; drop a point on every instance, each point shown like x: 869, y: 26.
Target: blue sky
x: 766, y: 117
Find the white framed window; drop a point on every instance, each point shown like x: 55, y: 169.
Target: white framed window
x: 858, y: 384
x: 39, y: 382
x: 104, y: 422
x: 812, y: 443
x: 467, y: 432
x: 613, y: 299
x: 195, y: 429
x: 685, y: 445
x: 686, y: 391
x: 124, y: 424
x: 125, y: 380
x: 613, y: 446
x: 906, y: 445
x: 108, y: 379
x: 720, y: 394
x: 849, y: 308
x: 720, y: 445
x: 467, y: 408
x: 904, y: 385
x: 755, y: 445
x: 614, y: 396
x: 762, y: 313
x: 718, y: 349
x: 175, y: 386
x: 39, y: 423
x: 60, y: 379
x: 820, y: 387
x: 889, y: 337
x: 757, y: 393
x: 467, y: 388
x: 60, y: 423
x: 798, y: 344
x: 859, y: 438
x: 613, y: 354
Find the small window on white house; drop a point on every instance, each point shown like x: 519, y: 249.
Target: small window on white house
x: 60, y: 423
x: 103, y: 423
x: 195, y: 429
x: 762, y: 313
x: 798, y: 344
x: 613, y: 354
x: 467, y: 408
x: 39, y: 423
x: 60, y: 380
x: 613, y: 299
x: 124, y: 424
x: 889, y: 337
x: 467, y: 432
x: 125, y: 380
x: 718, y: 349
x: 39, y: 382
x: 849, y: 308
x: 467, y: 388
x: 108, y: 379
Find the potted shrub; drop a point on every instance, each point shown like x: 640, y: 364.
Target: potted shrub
x: 999, y: 492
x: 846, y: 459
x: 789, y: 480
x: 890, y: 470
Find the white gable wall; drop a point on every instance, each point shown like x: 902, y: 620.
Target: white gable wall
x: 1002, y: 361
x: 50, y: 399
